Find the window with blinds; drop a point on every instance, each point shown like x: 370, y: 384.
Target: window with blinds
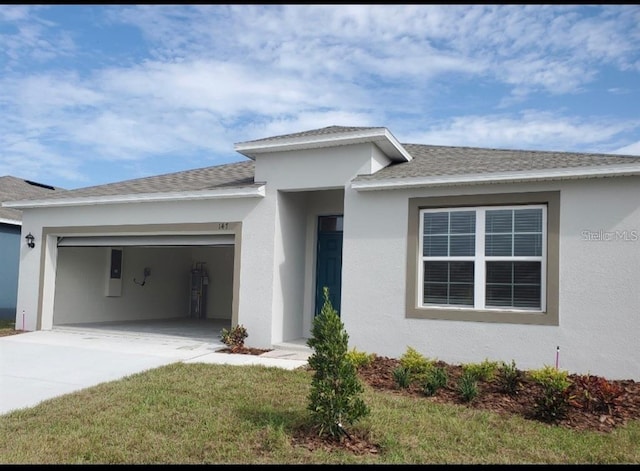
x: 483, y: 258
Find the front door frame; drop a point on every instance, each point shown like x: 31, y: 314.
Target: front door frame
x: 329, y: 260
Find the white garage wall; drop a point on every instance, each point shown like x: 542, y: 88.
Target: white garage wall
x: 36, y: 286
x: 81, y: 277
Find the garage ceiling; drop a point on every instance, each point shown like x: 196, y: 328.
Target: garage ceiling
x: 148, y: 240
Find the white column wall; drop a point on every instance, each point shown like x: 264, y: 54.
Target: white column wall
x: 599, y: 299
x: 255, y: 309
x: 289, y: 258
x: 29, y: 277
x: 322, y: 169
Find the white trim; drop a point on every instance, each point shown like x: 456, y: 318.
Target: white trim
x: 13, y: 222
x: 254, y: 192
x: 521, y: 176
x: 380, y: 137
x: 480, y: 260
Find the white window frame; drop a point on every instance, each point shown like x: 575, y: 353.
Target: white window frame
x: 480, y: 260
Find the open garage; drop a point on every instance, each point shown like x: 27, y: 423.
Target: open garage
x: 141, y: 280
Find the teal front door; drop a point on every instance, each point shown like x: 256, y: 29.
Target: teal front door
x: 329, y: 261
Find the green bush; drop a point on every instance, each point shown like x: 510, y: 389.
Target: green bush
x: 485, y: 370
x: 360, y: 358
x: 402, y: 377
x: 509, y: 377
x: 435, y: 379
x: 553, y: 404
x: 468, y: 386
x: 334, y: 399
x: 417, y: 364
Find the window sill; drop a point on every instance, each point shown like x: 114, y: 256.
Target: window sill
x: 485, y: 315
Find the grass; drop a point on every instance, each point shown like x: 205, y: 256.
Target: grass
x: 224, y: 414
x: 7, y: 324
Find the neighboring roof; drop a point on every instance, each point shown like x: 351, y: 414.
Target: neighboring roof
x: 13, y: 188
x: 327, y: 137
x: 441, y: 165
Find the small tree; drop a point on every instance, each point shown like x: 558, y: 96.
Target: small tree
x: 334, y: 398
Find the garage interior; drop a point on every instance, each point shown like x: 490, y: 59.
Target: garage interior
x: 160, y: 285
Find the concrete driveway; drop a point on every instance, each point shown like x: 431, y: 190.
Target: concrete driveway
x: 40, y: 365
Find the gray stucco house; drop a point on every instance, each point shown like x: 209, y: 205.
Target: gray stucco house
x: 461, y: 253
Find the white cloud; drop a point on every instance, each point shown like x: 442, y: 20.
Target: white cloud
x: 631, y: 149
x: 33, y: 39
x: 211, y: 75
x: 25, y: 156
x: 529, y: 130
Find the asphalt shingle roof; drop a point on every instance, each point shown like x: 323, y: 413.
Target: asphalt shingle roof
x: 231, y: 175
x: 13, y: 188
x: 438, y: 161
x: 314, y: 132
x: 428, y: 161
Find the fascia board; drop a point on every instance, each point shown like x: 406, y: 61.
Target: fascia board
x: 256, y: 192
x: 380, y: 137
x: 509, y: 177
x: 13, y: 222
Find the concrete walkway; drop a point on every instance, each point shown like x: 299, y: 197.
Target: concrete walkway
x: 40, y: 365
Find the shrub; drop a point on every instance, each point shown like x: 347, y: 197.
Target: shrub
x: 509, y: 377
x: 435, y: 379
x: 402, y: 377
x: 360, y: 358
x: 468, y: 386
x: 416, y: 363
x: 552, y: 405
x: 334, y: 398
x: 235, y: 337
x: 481, y: 371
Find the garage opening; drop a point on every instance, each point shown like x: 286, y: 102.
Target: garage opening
x: 178, y: 285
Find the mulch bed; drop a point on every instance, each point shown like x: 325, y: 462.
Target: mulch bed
x: 379, y: 375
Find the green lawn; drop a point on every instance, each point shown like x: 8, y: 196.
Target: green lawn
x: 6, y: 324
x: 223, y: 414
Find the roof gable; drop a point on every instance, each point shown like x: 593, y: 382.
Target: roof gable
x: 330, y: 136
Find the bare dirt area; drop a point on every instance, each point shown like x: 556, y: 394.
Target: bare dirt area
x: 243, y: 350
x: 6, y: 332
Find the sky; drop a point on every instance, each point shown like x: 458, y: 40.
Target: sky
x: 94, y: 94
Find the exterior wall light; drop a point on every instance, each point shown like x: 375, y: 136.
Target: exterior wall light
x: 30, y: 240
